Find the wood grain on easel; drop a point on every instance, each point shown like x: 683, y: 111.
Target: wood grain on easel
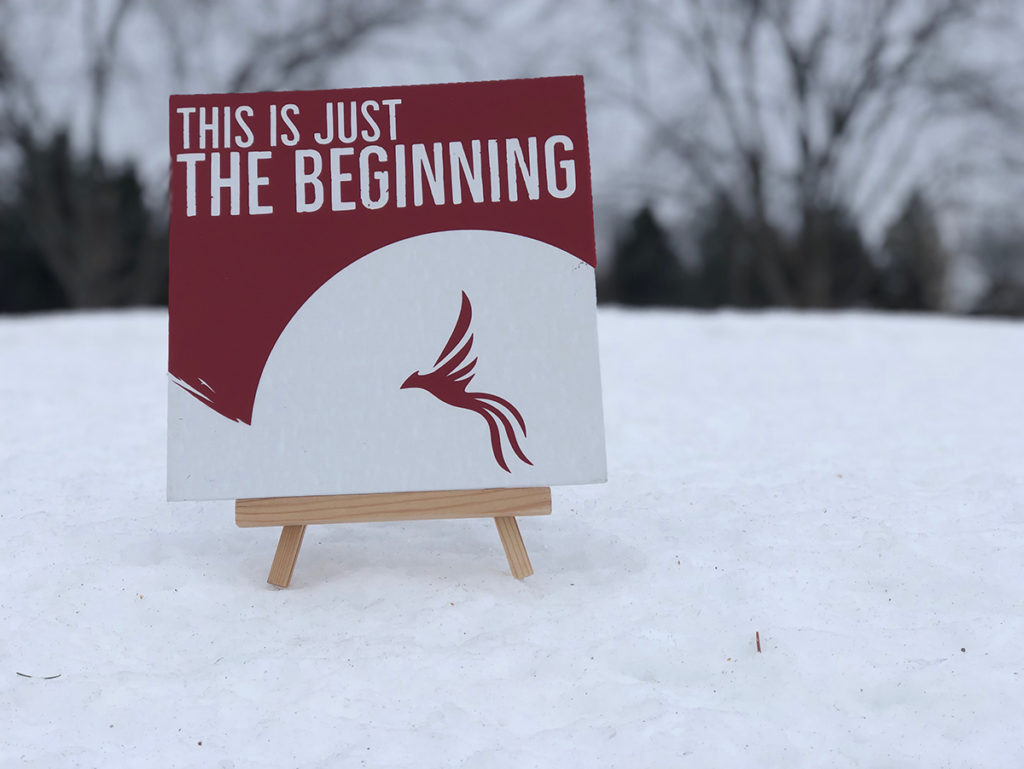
x: 398, y: 506
x: 515, y: 550
x: 284, y: 559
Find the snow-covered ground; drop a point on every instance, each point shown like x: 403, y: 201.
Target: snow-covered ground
x: 850, y: 487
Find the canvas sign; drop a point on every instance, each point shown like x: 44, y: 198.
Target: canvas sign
x: 382, y: 289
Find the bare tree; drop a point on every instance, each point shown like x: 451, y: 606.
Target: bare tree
x: 790, y: 113
x: 280, y: 44
x: 85, y: 214
x: 102, y: 44
x: 83, y: 217
x: 19, y: 102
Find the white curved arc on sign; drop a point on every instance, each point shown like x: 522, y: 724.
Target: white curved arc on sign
x: 331, y: 416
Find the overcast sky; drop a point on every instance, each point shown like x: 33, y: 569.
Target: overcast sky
x: 52, y: 39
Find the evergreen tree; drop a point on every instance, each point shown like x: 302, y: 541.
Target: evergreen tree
x: 913, y: 274
x: 645, y: 270
x: 79, y: 233
x: 726, y: 260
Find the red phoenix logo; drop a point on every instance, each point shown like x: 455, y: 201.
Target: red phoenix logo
x: 447, y: 382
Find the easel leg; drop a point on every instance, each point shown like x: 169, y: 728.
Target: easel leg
x: 284, y: 559
x: 515, y: 550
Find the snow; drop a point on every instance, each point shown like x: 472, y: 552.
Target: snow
x: 848, y: 486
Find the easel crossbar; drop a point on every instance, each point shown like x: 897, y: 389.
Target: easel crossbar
x: 397, y: 506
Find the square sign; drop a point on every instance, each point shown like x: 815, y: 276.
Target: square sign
x: 382, y: 289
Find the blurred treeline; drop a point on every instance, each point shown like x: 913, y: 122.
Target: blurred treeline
x: 751, y: 153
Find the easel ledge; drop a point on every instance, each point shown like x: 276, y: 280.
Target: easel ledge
x: 295, y: 513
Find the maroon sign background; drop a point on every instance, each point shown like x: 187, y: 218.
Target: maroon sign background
x: 237, y: 278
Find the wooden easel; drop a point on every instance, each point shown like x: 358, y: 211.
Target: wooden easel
x: 296, y: 513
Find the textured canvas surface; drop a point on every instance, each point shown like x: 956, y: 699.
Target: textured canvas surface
x: 390, y: 290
